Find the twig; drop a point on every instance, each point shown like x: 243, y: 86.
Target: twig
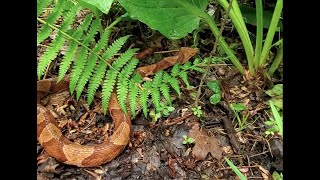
x: 213, y: 52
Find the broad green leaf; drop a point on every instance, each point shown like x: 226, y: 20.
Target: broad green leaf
x: 215, y: 99
x: 214, y: 86
x: 102, y: 5
x: 173, y: 18
x: 238, y: 107
x: 249, y: 15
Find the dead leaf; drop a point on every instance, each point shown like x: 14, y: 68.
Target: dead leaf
x: 204, y: 144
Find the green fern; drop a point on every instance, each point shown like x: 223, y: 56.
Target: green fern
x: 123, y: 81
x: 111, y: 76
x: 52, y: 51
x: 133, y: 92
x: 101, y: 68
x: 73, y: 47
x: 144, y: 94
x: 45, y: 31
x: 164, y: 88
x: 41, y: 4
x: 81, y: 59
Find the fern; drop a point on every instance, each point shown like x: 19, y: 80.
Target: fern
x: 45, y: 31
x: 70, y: 53
x: 89, y: 68
x: 52, y: 51
x: 144, y: 94
x: 111, y: 76
x: 41, y: 4
x: 133, y: 92
x: 123, y: 81
x: 81, y: 59
x: 164, y: 88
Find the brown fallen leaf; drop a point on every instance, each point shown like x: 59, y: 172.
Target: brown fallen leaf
x: 204, y: 144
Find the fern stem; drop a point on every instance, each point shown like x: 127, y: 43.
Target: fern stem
x: 68, y: 36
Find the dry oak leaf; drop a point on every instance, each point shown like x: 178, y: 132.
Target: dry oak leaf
x: 204, y: 144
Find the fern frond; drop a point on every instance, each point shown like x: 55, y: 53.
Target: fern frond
x: 81, y: 59
x: 186, y: 66
x: 133, y: 92
x: 175, y: 70
x: 164, y: 88
x: 71, y: 51
x: 157, y: 78
x: 172, y: 81
x: 95, y: 80
x: 52, y: 51
x: 123, y: 81
x: 155, y: 96
x: 195, y: 68
x: 41, y: 4
x: 107, y: 88
x: 91, y: 63
x: 184, y: 76
x: 115, y: 47
x: 144, y: 94
x: 111, y: 76
x: 45, y: 31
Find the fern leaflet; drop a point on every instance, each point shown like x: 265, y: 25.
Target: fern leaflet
x: 81, y: 59
x: 95, y: 80
x: 41, y: 4
x: 175, y: 70
x: 123, y: 80
x: 133, y: 92
x: 71, y: 51
x: 45, y: 31
x: 91, y: 63
x: 111, y: 76
x: 183, y: 75
x: 144, y: 94
x: 164, y: 88
x: 52, y: 51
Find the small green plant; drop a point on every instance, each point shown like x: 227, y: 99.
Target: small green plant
x: 235, y: 169
x: 197, y: 111
x: 187, y: 140
x: 215, y: 87
x: 164, y: 111
x: 276, y: 94
x: 237, y: 109
x: 277, y: 176
x: 275, y: 123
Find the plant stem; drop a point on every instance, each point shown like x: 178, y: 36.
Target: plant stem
x: 259, y: 35
x: 277, y: 60
x: 272, y: 29
x: 238, y: 22
x: 223, y: 43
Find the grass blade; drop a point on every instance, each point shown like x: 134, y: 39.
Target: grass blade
x: 235, y: 169
x: 259, y: 35
x: 277, y: 118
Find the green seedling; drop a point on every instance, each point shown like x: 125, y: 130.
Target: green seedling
x: 275, y: 123
x: 187, y: 140
x: 239, y: 108
x: 197, y: 111
x: 215, y: 87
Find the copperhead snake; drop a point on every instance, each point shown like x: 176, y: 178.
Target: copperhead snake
x: 63, y: 150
